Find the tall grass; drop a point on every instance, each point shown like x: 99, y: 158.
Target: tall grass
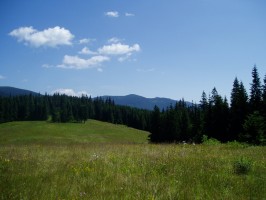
x: 113, y: 170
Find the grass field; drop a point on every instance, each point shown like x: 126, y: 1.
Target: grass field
x: 96, y: 160
x: 26, y: 133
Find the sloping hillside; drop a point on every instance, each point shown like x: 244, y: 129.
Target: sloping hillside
x: 68, y: 133
x: 12, y: 91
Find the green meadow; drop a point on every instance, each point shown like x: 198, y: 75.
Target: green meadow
x: 97, y: 160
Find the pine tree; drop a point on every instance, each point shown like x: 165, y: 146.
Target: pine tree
x: 155, y: 135
x: 204, y: 101
x: 255, y: 91
x: 238, y: 109
x: 264, y: 98
x: 218, y: 117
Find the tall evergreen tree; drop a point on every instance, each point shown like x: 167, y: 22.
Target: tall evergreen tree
x: 264, y: 97
x: 204, y: 101
x: 218, y: 117
x: 238, y: 109
x: 156, y: 135
x: 255, y: 91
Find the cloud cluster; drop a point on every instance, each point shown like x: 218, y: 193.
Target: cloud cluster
x: 51, y: 37
x: 70, y: 92
x: 75, y: 62
x: 118, y: 49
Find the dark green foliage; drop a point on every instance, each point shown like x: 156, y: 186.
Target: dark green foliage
x: 242, y: 166
x: 210, y: 141
x: 264, y: 97
x: 156, y: 120
x: 219, y: 117
x: 213, y: 117
x: 62, y: 108
x: 173, y: 124
x: 254, y: 129
x: 238, y: 110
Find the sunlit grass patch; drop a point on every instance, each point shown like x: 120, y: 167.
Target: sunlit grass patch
x: 117, y: 170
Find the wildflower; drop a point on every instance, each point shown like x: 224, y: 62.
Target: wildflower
x: 94, y: 156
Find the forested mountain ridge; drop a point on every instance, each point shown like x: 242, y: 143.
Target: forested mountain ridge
x: 6, y: 91
x: 131, y: 100
x: 141, y: 102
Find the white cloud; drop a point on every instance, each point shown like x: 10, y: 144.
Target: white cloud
x: 75, y: 62
x: 112, y: 14
x: 87, y: 51
x: 50, y: 37
x: 118, y: 49
x: 85, y: 41
x: 129, y: 14
x: 70, y: 92
x: 2, y: 77
x: 114, y: 40
x: 100, y: 70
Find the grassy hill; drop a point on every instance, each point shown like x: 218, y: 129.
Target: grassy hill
x: 95, y: 160
x: 68, y: 133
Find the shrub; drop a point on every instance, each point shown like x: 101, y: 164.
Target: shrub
x: 209, y: 141
x: 242, y: 166
x: 237, y: 144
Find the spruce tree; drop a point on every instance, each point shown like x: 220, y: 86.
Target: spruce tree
x: 255, y: 91
x: 238, y: 109
x: 156, y: 135
x: 218, y: 117
x: 264, y: 98
x: 203, y: 101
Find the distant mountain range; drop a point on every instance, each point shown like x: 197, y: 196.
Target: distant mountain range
x: 131, y: 100
x: 143, y: 102
x: 7, y: 91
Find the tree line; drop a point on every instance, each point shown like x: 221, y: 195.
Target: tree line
x: 243, y: 120
x: 63, y: 108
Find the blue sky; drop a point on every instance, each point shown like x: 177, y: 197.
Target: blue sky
x: 153, y: 48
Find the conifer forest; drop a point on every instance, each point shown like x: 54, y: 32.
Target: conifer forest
x: 241, y: 118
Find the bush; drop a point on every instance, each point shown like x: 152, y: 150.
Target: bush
x: 237, y: 144
x: 209, y: 141
x: 242, y: 166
